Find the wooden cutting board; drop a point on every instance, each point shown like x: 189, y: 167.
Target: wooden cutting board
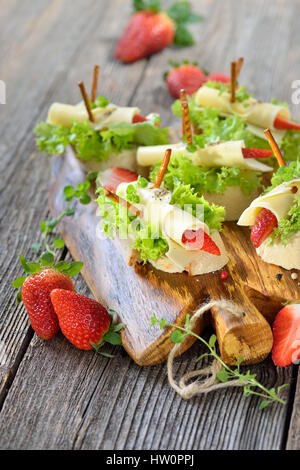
x: 137, y: 293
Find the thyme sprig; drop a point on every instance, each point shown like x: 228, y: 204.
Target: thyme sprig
x: 226, y: 374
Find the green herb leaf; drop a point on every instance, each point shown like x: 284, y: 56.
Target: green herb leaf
x: 58, y: 243
x: 19, y: 282
x: 47, y: 259
x: 177, y: 337
x: 183, y: 37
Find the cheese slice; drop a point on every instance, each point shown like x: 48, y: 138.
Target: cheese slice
x: 178, y: 259
x: 278, y: 134
x: 278, y: 201
x: 213, y: 155
x: 64, y: 115
x: 254, y: 112
x: 286, y: 256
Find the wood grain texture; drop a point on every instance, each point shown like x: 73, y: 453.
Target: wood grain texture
x: 137, y: 292
x: 56, y: 396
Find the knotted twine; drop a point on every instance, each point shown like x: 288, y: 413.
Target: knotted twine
x: 210, y: 381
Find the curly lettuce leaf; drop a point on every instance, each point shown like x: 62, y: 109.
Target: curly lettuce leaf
x: 93, y: 145
x: 285, y: 174
x: 184, y: 197
x: 51, y: 140
x: 123, y: 135
x: 116, y: 219
x: 289, y: 226
x: 149, y: 244
x: 215, y: 128
x: 290, y: 145
x: 206, y: 180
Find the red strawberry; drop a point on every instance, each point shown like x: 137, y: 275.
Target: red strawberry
x: 111, y: 178
x: 186, y: 76
x: 218, y: 77
x: 200, y: 240
x: 81, y: 319
x: 138, y: 118
x: 286, y: 333
x: 263, y: 227
x: 36, y: 298
x: 146, y: 34
x: 256, y: 153
x: 282, y: 123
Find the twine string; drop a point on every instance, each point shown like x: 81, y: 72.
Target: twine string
x: 209, y: 380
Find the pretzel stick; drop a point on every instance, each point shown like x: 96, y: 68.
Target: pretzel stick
x: 185, y: 116
x: 86, y: 101
x: 163, y: 169
x: 239, y: 65
x: 122, y: 202
x: 95, y: 83
x: 233, y: 81
x: 274, y: 147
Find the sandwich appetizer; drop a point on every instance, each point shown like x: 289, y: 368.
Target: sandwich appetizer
x: 228, y: 112
x: 101, y: 133
x: 225, y: 173
x: 174, y: 231
x: 275, y: 216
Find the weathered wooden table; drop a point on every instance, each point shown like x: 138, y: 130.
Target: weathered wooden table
x: 53, y: 396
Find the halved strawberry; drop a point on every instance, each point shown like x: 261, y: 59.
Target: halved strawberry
x: 218, y: 77
x: 111, y: 178
x: 188, y: 77
x: 200, y: 240
x: 286, y: 333
x: 263, y: 227
x: 256, y: 153
x: 138, y: 118
x: 285, y: 124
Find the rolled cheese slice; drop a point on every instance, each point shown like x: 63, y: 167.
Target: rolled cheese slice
x: 64, y: 115
x: 178, y: 259
x: 286, y: 256
x: 254, y: 112
x: 278, y: 201
x: 214, y: 155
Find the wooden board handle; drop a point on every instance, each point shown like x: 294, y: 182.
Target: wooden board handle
x: 249, y: 336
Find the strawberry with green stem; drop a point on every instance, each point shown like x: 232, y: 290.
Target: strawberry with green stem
x: 84, y: 321
x: 151, y: 29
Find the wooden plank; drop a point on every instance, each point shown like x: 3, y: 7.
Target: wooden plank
x: 293, y: 440
x: 22, y: 211
x: 76, y: 386
x: 141, y: 290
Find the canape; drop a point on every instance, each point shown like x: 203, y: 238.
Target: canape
x: 102, y: 134
x: 174, y: 231
x: 275, y: 219
x: 226, y: 173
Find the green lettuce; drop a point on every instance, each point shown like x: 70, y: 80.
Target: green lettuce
x: 215, y: 127
x: 93, y: 145
x: 117, y: 219
x: 289, y: 226
x: 206, y: 180
x: 213, y: 215
x: 285, y: 174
